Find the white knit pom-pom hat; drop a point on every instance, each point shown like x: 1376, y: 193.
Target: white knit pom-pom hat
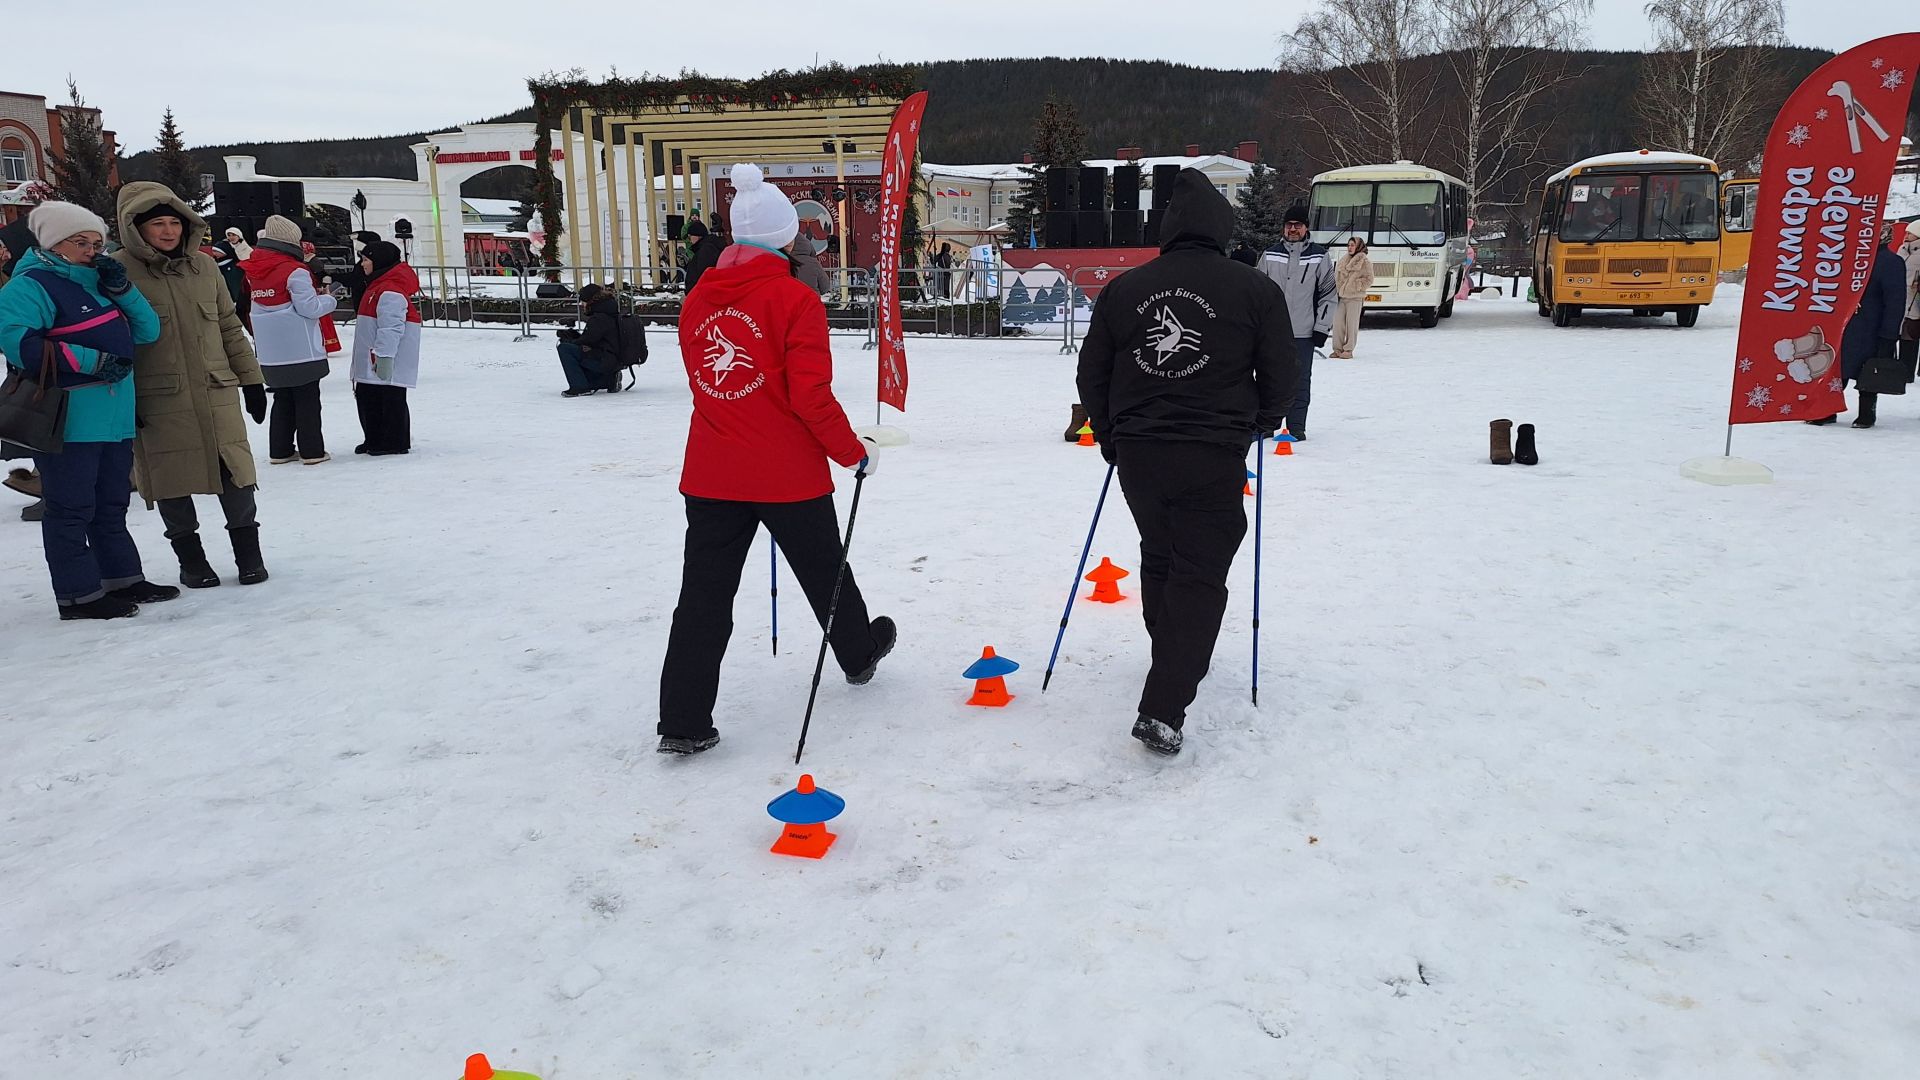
x: 761, y: 214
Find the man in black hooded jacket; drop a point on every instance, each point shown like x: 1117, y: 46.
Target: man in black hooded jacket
x: 1186, y: 360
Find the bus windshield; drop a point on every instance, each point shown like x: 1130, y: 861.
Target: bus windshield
x: 1397, y: 212
x: 1662, y: 206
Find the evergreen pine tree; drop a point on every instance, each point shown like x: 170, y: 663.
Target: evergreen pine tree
x: 176, y: 168
x: 1256, y: 220
x: 1059, y: 140
x: 81, y: 176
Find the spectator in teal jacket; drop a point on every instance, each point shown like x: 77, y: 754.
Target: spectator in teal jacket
x: 65, y: 295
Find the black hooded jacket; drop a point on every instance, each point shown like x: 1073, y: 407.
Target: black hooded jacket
x: 1192, y: 346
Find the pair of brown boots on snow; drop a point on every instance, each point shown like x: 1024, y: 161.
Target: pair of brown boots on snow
x: 1503, y: 451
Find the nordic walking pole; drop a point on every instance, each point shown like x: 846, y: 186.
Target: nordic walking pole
x: 773, y: 575
x: 1259, y: 503
x: 833, y: 605
x: 1074, y: 589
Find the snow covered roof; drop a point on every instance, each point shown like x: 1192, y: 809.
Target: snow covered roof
x: 1202, y: 162
x: 491, y: 207
x: 1637, y: 157
x: 977, y: 172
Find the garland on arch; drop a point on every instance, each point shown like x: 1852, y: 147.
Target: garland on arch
x: 554, y: 94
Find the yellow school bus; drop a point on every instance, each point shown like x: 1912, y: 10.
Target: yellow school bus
x: 1637, y: 232
x: 1736, y: 222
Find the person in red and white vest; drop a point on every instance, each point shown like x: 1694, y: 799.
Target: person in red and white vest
x: 287, y: 309
x: 386, y: 351
x: 765, y: 430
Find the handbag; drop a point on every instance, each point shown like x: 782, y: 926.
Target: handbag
x: 33, y: 412
x: 1884, y: 375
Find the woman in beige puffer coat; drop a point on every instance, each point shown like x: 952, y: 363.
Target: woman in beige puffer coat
x: 1351, y: 280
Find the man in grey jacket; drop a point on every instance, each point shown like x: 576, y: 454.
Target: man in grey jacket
x: 1305, y: 274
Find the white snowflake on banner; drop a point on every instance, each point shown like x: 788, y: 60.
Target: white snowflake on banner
x: 1892, y: 80
x: 1837, y: 385
x: 1821, y: 114
x: 1759, y: 397
x: 1878, y: 63
x: 1746, y: 365
x: 1799, y: 135
x: 1786, y: 410
x: 1100, y: 275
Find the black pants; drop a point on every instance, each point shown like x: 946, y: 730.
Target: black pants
x: 237, y: 503
x: 718, y: 536
x: 384, y: 417
x: 295, y: 423
x: 1186, y: 498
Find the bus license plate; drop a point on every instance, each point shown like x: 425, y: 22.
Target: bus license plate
x: 1373, y: 298
x: 1636, y: 296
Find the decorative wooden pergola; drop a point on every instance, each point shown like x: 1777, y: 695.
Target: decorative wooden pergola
x: 647, y: 127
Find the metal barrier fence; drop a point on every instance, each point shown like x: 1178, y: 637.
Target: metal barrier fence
x: 966, y: 300
x: 1076, y: 282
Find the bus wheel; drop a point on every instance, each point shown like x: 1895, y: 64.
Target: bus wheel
x: 1562, y: 314
x: 1687, y: 314
x: 1429, y: 317
x: 1446, y: 306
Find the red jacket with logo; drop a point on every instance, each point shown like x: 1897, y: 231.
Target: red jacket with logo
x: 765, y: 420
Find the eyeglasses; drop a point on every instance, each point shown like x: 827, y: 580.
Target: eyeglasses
x: 83, y: 245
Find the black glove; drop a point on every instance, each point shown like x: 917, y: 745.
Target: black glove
x: 256, y: 398
x: 113, y: 276
x: 111, y: 368
x: 1107, y: 452
x: 1319, y: 339
x: 1886, y: 347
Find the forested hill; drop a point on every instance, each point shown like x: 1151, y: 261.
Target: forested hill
x: 980, y: 110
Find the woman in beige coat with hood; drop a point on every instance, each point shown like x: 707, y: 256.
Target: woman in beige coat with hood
x: 191, y: 439
x: 1352, y: 277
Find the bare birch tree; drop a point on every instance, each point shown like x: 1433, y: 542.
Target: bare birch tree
x: 1362, y: 89
x: 1501, y: 54
x: 1706, y: 87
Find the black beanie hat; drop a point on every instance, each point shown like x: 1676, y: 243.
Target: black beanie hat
x: 590, y: 293
x: 159, y: 211
x: 695, y: 229
x: 384, y: 256
x: 1296, y: 212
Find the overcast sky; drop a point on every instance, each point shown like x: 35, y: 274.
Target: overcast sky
x: 268, y: 72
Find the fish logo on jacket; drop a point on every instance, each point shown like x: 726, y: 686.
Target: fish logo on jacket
x: 723, y: 357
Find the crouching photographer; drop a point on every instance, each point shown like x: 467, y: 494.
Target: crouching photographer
x: 595, y: 358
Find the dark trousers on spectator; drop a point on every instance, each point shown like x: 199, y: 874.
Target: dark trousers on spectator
x: 237, y: 503
x: 1186, y: 499
x: 295, y: 423
x: 384, y: 417
x: 87, y: 487
x: 719, y: 534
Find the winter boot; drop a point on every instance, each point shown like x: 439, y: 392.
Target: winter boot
x: 1869, y: 410
x: 35, y: 512
x: 246, y: 555
x: 884, y: 636
x: 107, y: 607
x: 1079, y: 420
x: 1825, y: 420
x: 674, y: 744
x: 146, y: 592
x: 1523, y: 451
x: 195, y: 571
x: 1500, y: 438
x: 1158, y: 737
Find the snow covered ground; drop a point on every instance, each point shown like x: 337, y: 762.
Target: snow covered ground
x: 1583, y: 770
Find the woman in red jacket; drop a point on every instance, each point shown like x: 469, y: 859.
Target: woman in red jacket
x: 765, y: 424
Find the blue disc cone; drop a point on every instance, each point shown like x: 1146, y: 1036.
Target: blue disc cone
x: 806, y: 808
x: 990, y: 667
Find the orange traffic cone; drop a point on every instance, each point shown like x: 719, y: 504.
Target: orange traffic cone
x: 1086, y: 434
x: 1106, y: 582
x: 1282, y: 445
x: 990, y: 683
